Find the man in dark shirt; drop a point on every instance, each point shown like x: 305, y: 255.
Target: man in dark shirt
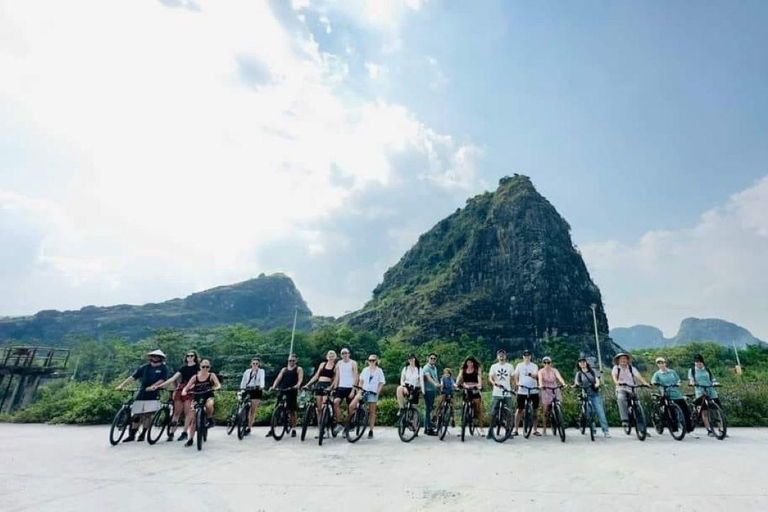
x: 146, y: 402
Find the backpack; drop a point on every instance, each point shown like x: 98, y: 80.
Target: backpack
x: 692, y: 373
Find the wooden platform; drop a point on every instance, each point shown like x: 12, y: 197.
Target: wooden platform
x: 21, y: 370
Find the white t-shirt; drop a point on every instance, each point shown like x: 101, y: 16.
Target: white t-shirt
x: 346, y: 373
x: 252, y: 379
x: 502, y: 375
x: 523, y: 379
x: 412, y: 376
x: 371, y: 380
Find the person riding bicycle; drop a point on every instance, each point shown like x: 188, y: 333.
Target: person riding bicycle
x: 203, y: 384
x: 325, y: 376
x: 431, y: 384
x: 526, y: 375
x: 290, y: 378
x: 146, y: 401
x: 447, y: 387
x: 252, y: 385
x: 470, y: 379
x: 346, y: 377
x: 703, y: 381
x: 371, y: 381
x: 589, y: 380
x: 410, y: 377
x: 500, y: 377
x: 665, y: 376
x: 182, y: 403
x: 624, y: 374
x: 549, y: 376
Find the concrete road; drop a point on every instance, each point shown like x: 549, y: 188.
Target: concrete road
x: 74, y: 468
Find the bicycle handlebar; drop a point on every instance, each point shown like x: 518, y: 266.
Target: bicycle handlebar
x: 364, y: 390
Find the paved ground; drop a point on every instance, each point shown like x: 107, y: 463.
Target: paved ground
x: 75, y: 468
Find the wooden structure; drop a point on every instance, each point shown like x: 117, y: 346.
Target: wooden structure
x: 23, y: 368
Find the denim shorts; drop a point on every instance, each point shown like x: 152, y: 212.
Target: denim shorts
x: 370, y: 397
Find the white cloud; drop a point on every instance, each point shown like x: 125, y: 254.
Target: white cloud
x: 177, y: 168
x: 326, y: 23
x: 718, y: 269
x: 375, y: 71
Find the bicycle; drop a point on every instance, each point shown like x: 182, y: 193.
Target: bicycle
x: 586, y: 414
x: 233, y: 418
x: 310, y: 411
x: 409, y: 420
x: 636, y: 414
x: 666, y: 413
x: 502, y: 418
x: 281, y: 416
x: 718, y: 423
x: 161, y: 420
x: 357, y: 423
x: 122, y: 419
x: 444, y: 416
x: 201, y: 418
x: 556, y: 420
x: 467, y: 413
x: 529, y: 412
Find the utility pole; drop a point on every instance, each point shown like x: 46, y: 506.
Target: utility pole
x: 738, y: 362
x: 597, y: 339
x: 293, y: 331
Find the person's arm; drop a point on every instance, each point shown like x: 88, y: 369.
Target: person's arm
x: 541, y: 384
x: 559, y: 378
x: 640, y: 376
x: 245, y: 379
x: 315, y: 376
x: 491, y: 377
x: 355, y: 372
x: 479, y: 378
x: 615, y: 375
x: 189, y: 385
x: 278, y: 379
x: 300, y: 371
x: 598, y: 382
x: 402, y: 377
x: 125, y: 383
x: 261, y: 378
x: 691, y: 380
x: 336, y: 376
x: 460, y: 378
x: 216, y: 383
x: 162, y: 383
x: 421, y: 380
x: 382, y: 381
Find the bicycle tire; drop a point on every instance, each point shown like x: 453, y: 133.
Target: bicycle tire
x: 234, y: 414
x: 119, y: 423
x: 715, y: 411
x: 586, y: 409
x: 676, y: 422
x: 310, y: 415
x: 408, y: 419
x: 200, y: 426
x: 157, y: 425
x: 357, y: 425
x: 657, y: 419
x: 641, y: 428
x: 501, y: 430
x: 324, y: 420
x: 559, y: 420
x: 278, y: 423
x: 446, y: 420
x: 466, y: 417
x: 528, y: 420
x: 242, y: 421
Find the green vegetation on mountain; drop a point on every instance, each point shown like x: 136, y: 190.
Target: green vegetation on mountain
x: 266, y: 302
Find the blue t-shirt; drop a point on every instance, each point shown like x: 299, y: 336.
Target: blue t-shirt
x: 448, y: 385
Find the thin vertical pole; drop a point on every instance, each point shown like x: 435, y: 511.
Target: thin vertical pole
x: 597, y: 339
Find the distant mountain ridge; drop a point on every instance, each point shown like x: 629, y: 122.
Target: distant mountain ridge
x: 266, y: 302
x: 691, y: 330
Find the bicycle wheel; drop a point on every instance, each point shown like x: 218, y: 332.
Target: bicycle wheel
x: 200, y: 426
x: 357, y: 424
x: 120, y: 422
x: 584, y: 411
x: 657, y: 419
x: 676, y: 422
x: 279, y: 424
x: 232, y: 419
x: 242, y: 421
x: 589, y: 420
x: 717, y: 421
x: 502, y: 424
x: 409, y: 424
x: 310, y: 416
x: 466, y: 418
x: 446, y: 419
x: 160, y: 421
x: 558, y: 414
x: 641, y: 430
x: 528, y: 420
x: 325, y: 421
x: 628, y: 425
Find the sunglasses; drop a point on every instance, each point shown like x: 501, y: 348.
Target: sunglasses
x: 205, y: 366
x: 345, y: 353
x: 291, y: 360
x: 255, y: 362
x: 190, y: 355
x: 372, y: 360
x: 661, y: 362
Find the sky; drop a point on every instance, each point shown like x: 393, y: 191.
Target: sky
x: 152, y: 149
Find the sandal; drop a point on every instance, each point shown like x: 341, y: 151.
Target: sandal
x: 537, y: 433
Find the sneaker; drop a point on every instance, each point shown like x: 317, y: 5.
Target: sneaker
x: 210, y: 423
x: 131, y: 437
x: 189, y: 443
x: 247, y: 432
x: 515, y: 433
x: 370, y: 434
x: 142, y: 436
x: 293, y: 433
x: 606, y: 434
x: 170, y: 437
x: 182, y: 437
x: 337, y: 429
x: 269, y: 434
x: 711, y: 433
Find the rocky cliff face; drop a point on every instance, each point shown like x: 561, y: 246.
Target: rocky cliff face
x: 691, y: 330
x: 639, y: 336
x: 503, y: 267
x: 266, y: 302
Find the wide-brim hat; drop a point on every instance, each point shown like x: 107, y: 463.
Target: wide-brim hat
x: 158, y: 353
x: 617, y: 356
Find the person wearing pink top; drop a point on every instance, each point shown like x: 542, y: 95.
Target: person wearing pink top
x: 548, y: 378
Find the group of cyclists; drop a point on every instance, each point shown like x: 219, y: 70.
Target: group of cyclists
x: 342, y: 381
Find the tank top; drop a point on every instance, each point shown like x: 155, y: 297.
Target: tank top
x: 346, y: 375
x: 203, y: 386
x: 290, y: 377
x: 470, y: 378
x: 327, y: 372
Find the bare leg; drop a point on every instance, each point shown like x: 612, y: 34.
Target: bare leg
x: 254, y: 407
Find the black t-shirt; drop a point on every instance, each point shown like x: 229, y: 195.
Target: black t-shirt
x: 290, y: 377
x: 187, y: 372
x: 148, y: 375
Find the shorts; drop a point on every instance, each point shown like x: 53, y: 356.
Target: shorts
x: 144, y: 406
x: 700, y: 402
x: 254, y: 394
x: 447, y: 392
x: 344, y: 394
x: 413, y: 395
x: 178, y: 397
x: 203, y: 397
x: 473, y: 394
x: 521, y: 401
x: 370, y: 397
x: 291, y: 398
x: 321, y: 387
